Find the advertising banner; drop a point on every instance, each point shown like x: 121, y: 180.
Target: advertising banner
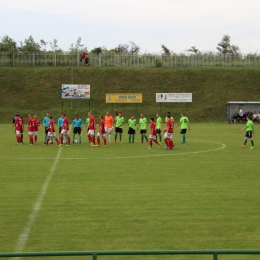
x: 173, y: 97
x: 75, y: 91
x: 124, y: 98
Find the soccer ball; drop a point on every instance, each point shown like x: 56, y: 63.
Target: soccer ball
x: 50, y: 142
x: 76, y: 141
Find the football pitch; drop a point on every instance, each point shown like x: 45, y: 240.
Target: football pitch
x: 203, y: 195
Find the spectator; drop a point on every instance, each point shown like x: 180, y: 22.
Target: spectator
x: 254, y: 117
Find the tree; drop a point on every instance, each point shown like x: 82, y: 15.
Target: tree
x: 7, y: 44
x: 43, y: 43
x: 29, y: 45
x: 134, y: 48
x: 122, y: 49
x: 166, y: 51
x: 194, y: 50
x: 98, y: 50
x: 224, y: 47
x: 78, y: 47
x: 54, y: 46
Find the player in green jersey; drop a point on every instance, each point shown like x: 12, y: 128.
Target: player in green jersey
x: 185, y: 124
x: 119, y: 124
x: 87, y: 122
x: 131, y: 130
x: 143, y: 128
x: 166, y: 118
x: 249, y: 132
x: 158, y: 127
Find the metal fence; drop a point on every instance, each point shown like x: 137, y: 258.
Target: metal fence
x: 95, y: 254
x: 130, y: 60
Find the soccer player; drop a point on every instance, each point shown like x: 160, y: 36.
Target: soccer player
x: 109, y: 125
x: 18, y: 123
x: 91, y: 126
x: 119, y: 126
x: 166, y: 118
x: 131, y: 130
x: 65, y: 130
x: 22, y: 128
x: 77, y: 125
x: 152, y: 136
x: 46, y: 123
x: 169, y: 133
x: 143, y: 126
x: 101, y: 132
x: 30, y: 128
x: 87, y: 129
x: 51, y: 132
x: 37, y: 123
x: 60, y: 124
x: 249, y: 132
x: 158, y: 127
x: 185, y: 123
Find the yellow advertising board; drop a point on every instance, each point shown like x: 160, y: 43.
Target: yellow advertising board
x: 124, y: 98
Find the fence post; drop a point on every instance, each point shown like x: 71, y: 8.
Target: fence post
x: 99, y: 59
x: 215, y: 256
x: 33, y: 59
x: 94, y: 256
x: 13, y: 58
x: 249, y: 59
x: 55, y: 59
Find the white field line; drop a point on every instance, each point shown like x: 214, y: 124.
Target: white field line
x: 27, y: 228
x: 169, y: 153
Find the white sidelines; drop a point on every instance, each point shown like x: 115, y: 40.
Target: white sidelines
x: 37, y: 206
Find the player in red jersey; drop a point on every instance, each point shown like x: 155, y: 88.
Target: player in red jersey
x: 18, y: 123
x: 152, y: 136
x: 51, y: 132
x: 169, y: 133
x: 91, y: 126
x: 101, y: 132
x: 65, y: 130
x: 36, y: 125
x: 31, y: 128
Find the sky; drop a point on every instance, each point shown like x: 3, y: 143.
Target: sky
x: 177, y: 24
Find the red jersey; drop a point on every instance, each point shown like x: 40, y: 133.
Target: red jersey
x: 31, y: 125
x: 51, y: 126
x: 102, y: 127
x: 92, y: 123
x: 169, y: 125
x: 65, y: 123
x: 18, y: 123
x: 153, y: 128
x: 36, y: 124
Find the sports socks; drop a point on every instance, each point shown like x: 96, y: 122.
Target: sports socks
x: 252, y: 143
x: 146, y: 138
x: 133, y: 138
x: 73, y: 138
x: 120, y: 137
x: 184, y: 138
x: 129, y: 138
x: 142, y: 138
x: 79, y: 138
x: 245, y: 141
x: 115, y: 137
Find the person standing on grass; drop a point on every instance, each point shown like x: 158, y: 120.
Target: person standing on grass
x: 60, y: 124
x: 77, y: 125
x: 109, y: 125
x: 119, y: 126
x: 158, y: 127
x: 241, y: 115
x: 91, y: 126
x: 116, y: 113
x: 18, y: 123
x: 143, y: 128
x: 152, y: 135
x: 87, y: 129
x: 169, y: 133
x: 101, y: 132
x: 51, y: 132
x: 65, y: 130
x: 22, y: 129
x: 235, y: 115
x: 37, y: 123
x: 46, y: 123
x: 131, y: 130
x: 185, y: 124
x: 249, y: 132
x: 166, y: 118
x: 30, y: 128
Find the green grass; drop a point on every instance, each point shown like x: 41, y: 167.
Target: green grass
x: 38, y: 90
x: 126, y: 197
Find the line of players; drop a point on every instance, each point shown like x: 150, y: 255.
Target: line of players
x: 105, y: 127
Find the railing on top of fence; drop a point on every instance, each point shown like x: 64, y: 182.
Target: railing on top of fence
x: 129, y: 60
x: 95, y: 254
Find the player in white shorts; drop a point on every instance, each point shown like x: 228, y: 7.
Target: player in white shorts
x: 109, y: 125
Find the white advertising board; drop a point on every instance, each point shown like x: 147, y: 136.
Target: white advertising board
x: 70, y: 91
x: 174, y: 97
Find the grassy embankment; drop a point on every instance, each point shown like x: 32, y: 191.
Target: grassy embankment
x: 38, y: 90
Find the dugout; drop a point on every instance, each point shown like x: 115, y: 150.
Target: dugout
x: 246, y: 106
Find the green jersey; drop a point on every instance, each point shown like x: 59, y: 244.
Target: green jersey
x: 249, y: 126
x: 132, y: 123
x: 235, y: 112
x: 158, y: 123
x: 143, y: 122
x: 166, y: 119
x: 184, y: 122
x: 87, y: 121
x: 119, y: 121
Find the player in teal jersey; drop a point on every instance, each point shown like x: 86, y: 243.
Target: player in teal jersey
x: 87, y: 122
x: 119, y: 124
x: 249, y: 132
x: 185, y: 124
x: 132, y: 127
x: 143, y: 128
x: 158, y: 126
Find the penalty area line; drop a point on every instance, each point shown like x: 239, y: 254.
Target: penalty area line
x: 37, y: 206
